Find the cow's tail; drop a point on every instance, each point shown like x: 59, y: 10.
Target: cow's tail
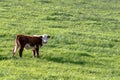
x: 16, y: 46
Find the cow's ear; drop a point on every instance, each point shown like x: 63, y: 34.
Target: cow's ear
x: 48, y: 36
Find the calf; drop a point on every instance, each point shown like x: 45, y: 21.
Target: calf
x: 28, y: 42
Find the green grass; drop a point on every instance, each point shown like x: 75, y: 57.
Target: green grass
x: 84, y: 43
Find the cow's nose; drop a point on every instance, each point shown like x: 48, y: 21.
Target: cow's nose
x: 45, y: 41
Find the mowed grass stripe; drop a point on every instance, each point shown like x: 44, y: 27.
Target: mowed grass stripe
x: 84, y: 43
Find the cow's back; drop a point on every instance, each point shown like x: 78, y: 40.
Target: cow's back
x: 35, y: 40
x: 22, y: 39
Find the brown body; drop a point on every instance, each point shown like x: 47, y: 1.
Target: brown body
x: 23, y: 41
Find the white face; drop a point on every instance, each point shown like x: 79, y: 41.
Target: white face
x: 45, y: 38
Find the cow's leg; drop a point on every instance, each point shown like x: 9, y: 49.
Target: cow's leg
x: 33, y: 52
x: 37, y: 51
x: 15, y: 49
x: 20, y: 51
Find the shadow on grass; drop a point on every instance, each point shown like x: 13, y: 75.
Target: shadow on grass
x: 4, y: 57
x: 61, y: 60
x: 77, y: 58
x: 76, y: 62
x: 7, y: 57
x: 43, y: 1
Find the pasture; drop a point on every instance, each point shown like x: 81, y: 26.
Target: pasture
x: 85, y: 42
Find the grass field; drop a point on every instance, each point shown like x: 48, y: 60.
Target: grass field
x: 85, y: 42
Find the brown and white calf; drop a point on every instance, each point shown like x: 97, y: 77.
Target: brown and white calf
x: 29, y: 42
